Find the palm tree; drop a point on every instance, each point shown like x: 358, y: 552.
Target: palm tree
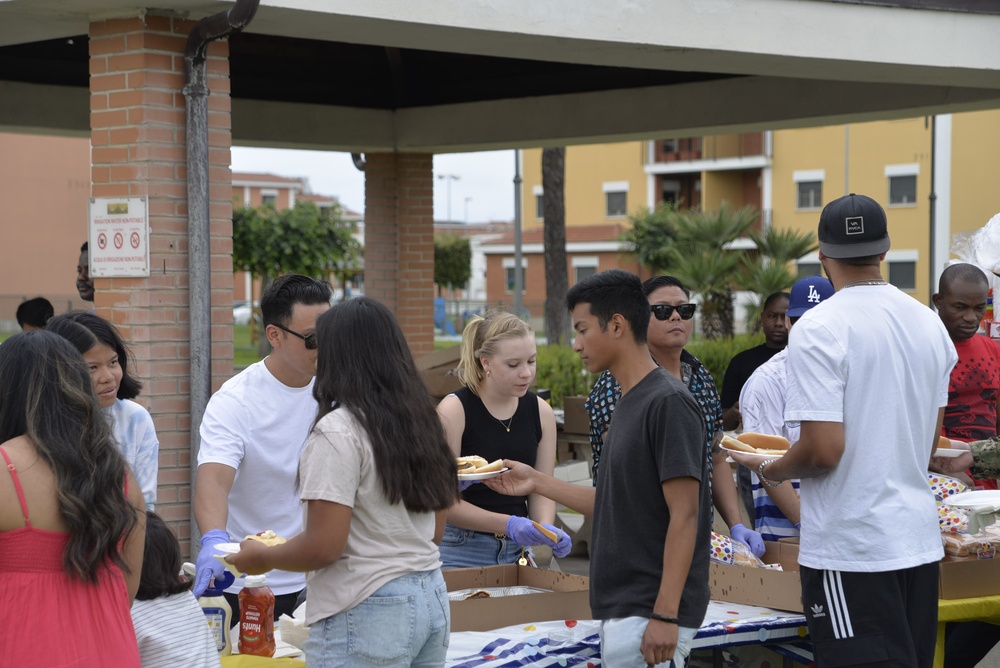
x: 768, y: 271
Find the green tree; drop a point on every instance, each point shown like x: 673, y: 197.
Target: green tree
x: 452, y: 261
x: 650, y: 235
x: 770, y: 269
x: 301, y: 240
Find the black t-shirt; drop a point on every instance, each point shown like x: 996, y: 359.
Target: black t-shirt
x: 485, y: 436
x: 740, y: 369
x: 657, y: 434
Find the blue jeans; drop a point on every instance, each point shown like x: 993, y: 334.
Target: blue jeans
x: 404, y: 623
x: 464, y: 548
x: 621, y: 638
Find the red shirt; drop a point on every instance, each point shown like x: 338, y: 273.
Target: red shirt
x: 971, y: 414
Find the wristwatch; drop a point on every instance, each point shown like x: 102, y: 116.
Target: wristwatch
x: 763, y: 478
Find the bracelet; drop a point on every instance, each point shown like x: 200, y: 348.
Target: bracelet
x: 763, y: 478
x: 664, y: 618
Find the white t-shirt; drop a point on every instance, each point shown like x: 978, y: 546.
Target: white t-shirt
x: 172, y: 631
x: 878, y: 361
x: 762, y: 400
x: 136, y: 437
x: 258, y: 426
x: 385, y: 540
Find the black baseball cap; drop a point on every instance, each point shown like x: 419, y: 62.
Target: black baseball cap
x: 853, y: 226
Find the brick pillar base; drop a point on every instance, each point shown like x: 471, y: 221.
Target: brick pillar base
x: 399, y: 241
x: 139, y: 149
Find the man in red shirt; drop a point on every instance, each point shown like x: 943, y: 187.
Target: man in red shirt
x: 971, y: 414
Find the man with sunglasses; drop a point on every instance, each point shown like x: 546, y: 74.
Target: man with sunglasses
x: 252, y: 433
x: 669, y: 330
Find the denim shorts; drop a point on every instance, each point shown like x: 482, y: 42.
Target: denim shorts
x: 404, y: 623
x: 621, y: 639
x: 464, y: 548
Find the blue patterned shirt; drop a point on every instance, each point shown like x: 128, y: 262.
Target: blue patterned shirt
x: 606, y: 392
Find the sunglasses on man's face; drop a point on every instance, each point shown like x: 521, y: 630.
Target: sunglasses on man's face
x: 664, y: 311
x: 309, y: 339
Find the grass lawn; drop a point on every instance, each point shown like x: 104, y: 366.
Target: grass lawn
x: 244, y: 350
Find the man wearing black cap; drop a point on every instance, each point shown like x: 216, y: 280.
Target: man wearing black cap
x: 868, y: 373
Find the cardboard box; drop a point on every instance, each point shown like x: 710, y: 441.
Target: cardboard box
x: 575, y: 418
x: 779, y: 590
x: 438, y: 371
x: 966, y: 577
x: 569, y: 597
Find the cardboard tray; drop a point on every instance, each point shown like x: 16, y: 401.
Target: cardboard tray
x: 780, y: 590
x: 968, y: 577
x: 567, y: 596
x: 438, y: 371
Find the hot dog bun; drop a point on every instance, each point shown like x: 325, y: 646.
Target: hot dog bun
x: 268, y: 537
x: 764, y: 441
x: 491, y: 467
x: 731, y: 443
x: 943, y: 442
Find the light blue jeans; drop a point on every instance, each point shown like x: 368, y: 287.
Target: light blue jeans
x: 621, y: 639
x: 464, y: 548
x: 404, y: 623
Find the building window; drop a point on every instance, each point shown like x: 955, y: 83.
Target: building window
x: 540, y: 207
x: 269, y: 200
x: 584, y: 267
x: 616, y: 204
x: 903, y: 275
x: 508, y: 271
x: 670, y: 146
x: 903, y: 190
x: 806, y: 269
x: 810, y: 195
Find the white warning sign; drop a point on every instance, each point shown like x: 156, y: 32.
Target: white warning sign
x: 119, y: 237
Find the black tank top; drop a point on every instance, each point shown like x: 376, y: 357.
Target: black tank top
x: 485, y: 436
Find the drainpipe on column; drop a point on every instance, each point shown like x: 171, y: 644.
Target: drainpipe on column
x: 196, y: 92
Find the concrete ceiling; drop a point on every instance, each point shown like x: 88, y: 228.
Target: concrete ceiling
x: 455, y: 75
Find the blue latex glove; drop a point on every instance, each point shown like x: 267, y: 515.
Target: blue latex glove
x: 465, y: 484
x: 748, y: 537
x: 565, y: 544
x: 207, y: 566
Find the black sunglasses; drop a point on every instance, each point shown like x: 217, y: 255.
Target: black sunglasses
x: 664, y: 311
x: 309, y: 339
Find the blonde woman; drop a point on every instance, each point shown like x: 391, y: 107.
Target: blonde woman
x: 496, y: 416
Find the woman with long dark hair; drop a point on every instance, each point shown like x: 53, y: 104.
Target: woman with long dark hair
x: 107, y: 356
x: 376, y: 476
x: 71, y: 515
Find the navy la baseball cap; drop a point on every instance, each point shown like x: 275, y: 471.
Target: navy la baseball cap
x: 806, y: 293
x: 853, y: 226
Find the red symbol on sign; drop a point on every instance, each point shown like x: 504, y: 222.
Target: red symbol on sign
x: 134, y: 240
x: 119, y: 240
x: 102, y: 240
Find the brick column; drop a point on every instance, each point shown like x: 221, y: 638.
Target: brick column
x: 138, y: 149
x: 399, y: 241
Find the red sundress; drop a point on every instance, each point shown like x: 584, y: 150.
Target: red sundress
x: 50, y: 619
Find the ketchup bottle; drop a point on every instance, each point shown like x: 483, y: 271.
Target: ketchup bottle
x: 256, y: 617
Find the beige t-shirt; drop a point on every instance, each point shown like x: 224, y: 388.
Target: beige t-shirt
x: 385, y: 540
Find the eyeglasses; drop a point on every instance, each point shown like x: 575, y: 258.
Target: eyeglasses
x: 664, y: 311
x: 309, y: 339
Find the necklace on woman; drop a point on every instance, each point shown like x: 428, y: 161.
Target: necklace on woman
x: 868, y: 281
x: 505, y: 426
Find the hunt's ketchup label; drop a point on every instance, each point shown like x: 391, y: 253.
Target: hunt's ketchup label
x: 256, y: 617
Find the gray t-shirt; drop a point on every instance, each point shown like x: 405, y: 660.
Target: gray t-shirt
x: 657, y: 434
x: 385, y: 540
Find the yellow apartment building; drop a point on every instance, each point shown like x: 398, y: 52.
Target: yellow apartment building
x: 790, y: 174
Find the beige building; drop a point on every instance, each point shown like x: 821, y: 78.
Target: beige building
x: 790, y: 174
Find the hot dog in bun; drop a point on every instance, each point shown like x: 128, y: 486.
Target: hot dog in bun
x: 757, y: 444
x: 268, y: 537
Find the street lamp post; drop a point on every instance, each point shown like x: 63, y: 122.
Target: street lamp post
x: 448, y: 179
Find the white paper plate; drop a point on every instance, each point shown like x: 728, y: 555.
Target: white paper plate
x: 481, y: 476
x: 740, y: 452
x: 981, y: 498
x: 227, y: 548
x: 948, y: 452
